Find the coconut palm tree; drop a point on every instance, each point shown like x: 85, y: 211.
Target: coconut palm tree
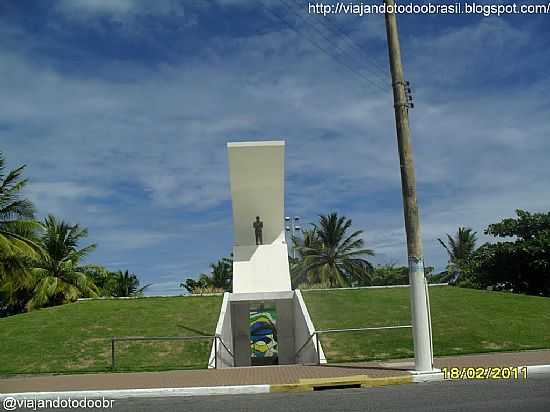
x: 221, y: 275
x: 309, y: 240
x: 307, y: 243
x: 101, y: 277
x: 460, y: 249
x: 18, y: 241
x: 462, y: 245
x: 127, y: 284
x: 220, y: 278
x: 58, y: 277
x: 330, y: 255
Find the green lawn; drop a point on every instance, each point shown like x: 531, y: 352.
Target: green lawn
x: 77, y: 337
x: 463, y: 321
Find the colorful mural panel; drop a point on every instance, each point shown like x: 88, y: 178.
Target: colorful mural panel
x: 263, y: 334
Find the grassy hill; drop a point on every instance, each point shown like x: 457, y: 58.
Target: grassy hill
x: 463, y: 321
x: 77, y: 337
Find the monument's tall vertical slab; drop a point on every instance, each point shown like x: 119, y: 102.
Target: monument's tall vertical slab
x: 260, y: 320
x: 256, y: 174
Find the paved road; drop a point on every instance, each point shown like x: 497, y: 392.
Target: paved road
x: 526, y: 396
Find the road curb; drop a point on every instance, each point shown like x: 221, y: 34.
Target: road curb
x: 144, y: 393
x: 303, y: 385
x: 362, y: 381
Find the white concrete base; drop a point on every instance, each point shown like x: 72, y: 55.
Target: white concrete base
x: 434, y: 370
x: 259, y: 296
x: 437, y: 375
x: 434, y: 375
x: 537, y: 370
x: 427, y: 377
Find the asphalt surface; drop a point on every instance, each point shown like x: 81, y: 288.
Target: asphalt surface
x: 525, y: 396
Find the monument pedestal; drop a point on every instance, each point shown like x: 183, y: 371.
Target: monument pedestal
x: 261, y: 268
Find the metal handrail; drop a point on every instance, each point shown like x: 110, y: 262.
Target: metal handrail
x: 360, y: 329
x: 127, y: 338
x: 304, y: 345
x: 226, y: 348
x: 318, y: 332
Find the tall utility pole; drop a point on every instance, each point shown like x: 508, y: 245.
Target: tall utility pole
x: 419, y: 293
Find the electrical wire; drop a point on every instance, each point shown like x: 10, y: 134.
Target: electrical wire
x: 324, y: 50
x: 380, y: 81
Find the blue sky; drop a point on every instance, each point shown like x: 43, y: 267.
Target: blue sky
x: 121, y: 109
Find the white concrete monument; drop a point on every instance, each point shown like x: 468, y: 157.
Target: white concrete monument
x: 263, y: 322
x: 256, y: 175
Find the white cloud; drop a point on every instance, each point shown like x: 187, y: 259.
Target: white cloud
x: 135, y: 239
x: 65, y: 190
x: 119, y: 8
x: 68, y: 199
x: 97, y: 6
x: 480, y: 153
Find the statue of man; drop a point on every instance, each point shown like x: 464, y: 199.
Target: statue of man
x: 258, y: 226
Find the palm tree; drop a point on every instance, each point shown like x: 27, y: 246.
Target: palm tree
x: 101, y: 278
x: 460, y: 249
x: 221, y: 275
x: 127, y: 284
x: 330, y: 255
x: 308, y: 242
x: 18, y: 242
x: 58, y: 278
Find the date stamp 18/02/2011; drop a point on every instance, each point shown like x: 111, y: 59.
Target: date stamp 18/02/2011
x: 484, y: 373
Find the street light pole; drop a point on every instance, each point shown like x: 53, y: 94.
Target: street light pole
x: 419, y: 298
x: 292, y: 228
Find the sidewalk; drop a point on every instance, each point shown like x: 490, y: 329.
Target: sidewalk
x: 265, y: 375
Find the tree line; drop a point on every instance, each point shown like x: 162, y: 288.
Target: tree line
x: 518, y: 262
x: 41, y: 262
x: 328, y: 254
x: 331, y: 254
